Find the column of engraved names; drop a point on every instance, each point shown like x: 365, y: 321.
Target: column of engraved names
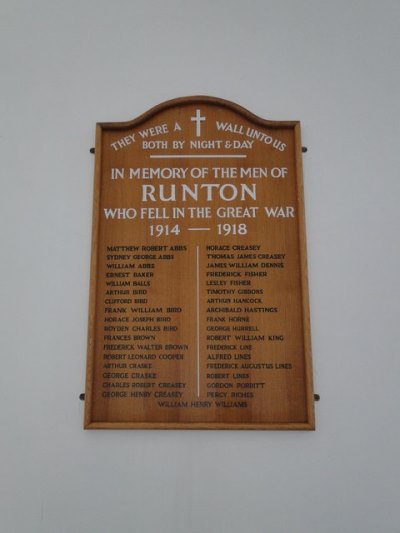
x: 237, y: 302
x: 137, y: 326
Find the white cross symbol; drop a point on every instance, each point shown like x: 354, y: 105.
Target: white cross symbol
x: 198, y: 119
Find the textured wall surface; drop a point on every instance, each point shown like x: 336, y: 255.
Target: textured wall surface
x: 332, y: 65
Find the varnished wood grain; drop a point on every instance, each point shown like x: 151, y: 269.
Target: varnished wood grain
x: 285, y: 401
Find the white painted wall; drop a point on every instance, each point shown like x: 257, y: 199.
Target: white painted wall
x: 334, y: 66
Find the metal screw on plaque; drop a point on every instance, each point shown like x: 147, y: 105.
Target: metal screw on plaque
x: 304, y: 149
x: 82, y: 396
x: 92, y: 150
x: 317, y: 397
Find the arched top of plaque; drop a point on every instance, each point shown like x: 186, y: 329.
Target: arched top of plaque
x: 200, y: 99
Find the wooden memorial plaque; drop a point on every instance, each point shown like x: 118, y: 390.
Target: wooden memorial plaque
x: 198, y: 299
